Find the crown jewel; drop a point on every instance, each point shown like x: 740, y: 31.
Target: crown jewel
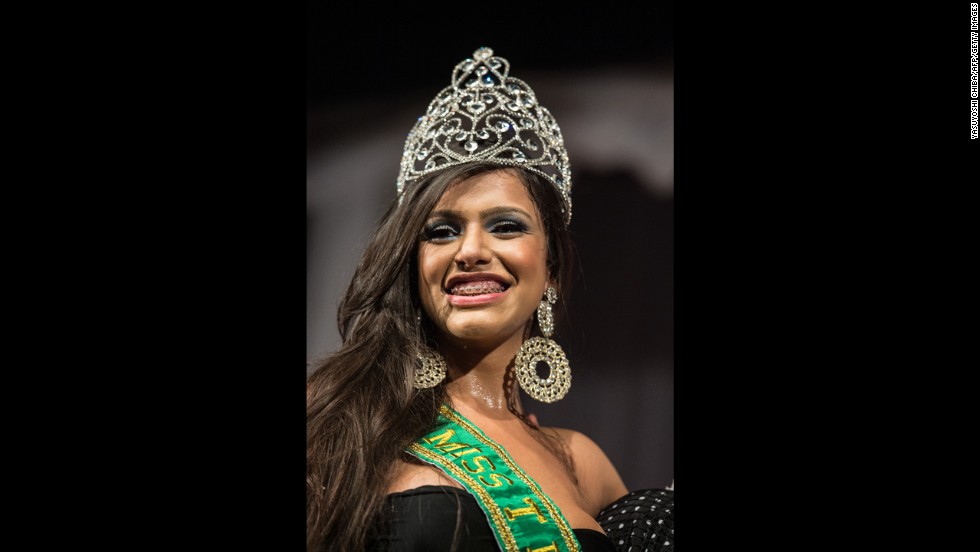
x: 487, y: 116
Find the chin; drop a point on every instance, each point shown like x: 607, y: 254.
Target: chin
x: 479, y: 330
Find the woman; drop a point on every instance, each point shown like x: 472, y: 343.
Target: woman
x: 417, y: 438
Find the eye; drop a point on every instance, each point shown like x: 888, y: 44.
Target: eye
x: 440, y: 232
x: 508, y: 227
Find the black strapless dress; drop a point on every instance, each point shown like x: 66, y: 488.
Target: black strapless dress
x: 432, y: 518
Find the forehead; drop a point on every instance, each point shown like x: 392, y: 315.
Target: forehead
x: 486, y: 190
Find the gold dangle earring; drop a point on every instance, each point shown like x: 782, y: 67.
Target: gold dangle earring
x: 543, y: 349
x: 433, y: 368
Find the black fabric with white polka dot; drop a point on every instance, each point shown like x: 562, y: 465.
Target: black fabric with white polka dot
x: 642, y: 521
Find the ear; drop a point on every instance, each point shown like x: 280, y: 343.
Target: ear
x: 551, y: 281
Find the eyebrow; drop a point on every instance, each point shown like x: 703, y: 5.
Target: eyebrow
x: 483, y: 214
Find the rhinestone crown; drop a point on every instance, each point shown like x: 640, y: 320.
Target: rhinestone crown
x: 487, y: 116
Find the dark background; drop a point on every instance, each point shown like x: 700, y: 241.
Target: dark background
x: 607, y: 77
x: 405, y: 47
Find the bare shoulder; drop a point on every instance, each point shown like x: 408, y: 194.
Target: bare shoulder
x: 598, y: 477
x: 410, y: 476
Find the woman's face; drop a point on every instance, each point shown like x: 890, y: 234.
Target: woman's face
x: 483, y: 260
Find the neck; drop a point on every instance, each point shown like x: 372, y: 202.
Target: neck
x: 482, y: 380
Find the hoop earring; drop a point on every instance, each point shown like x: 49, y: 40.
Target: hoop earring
x: 543, y: 349
x: 432, y: 371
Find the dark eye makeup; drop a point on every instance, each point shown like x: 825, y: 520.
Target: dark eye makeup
x: 507, y: 226
x: 440, y: 231
x: 503, y: 226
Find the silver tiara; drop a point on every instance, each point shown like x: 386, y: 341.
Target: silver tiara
x: 487, y: 116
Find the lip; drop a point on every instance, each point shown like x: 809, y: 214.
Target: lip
x: 475, y: 300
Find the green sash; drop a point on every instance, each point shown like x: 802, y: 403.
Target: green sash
x: 522, y: 517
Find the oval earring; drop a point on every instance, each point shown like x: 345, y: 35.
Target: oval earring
x: 432, y: 371
x: 433, y: 368
x: 544, y: 349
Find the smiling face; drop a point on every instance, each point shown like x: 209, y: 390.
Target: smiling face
x: 483, y: 260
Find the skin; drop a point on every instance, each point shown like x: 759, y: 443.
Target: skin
x: 488, y: 224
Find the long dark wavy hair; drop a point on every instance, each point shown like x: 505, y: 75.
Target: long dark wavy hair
x: 362, y: 411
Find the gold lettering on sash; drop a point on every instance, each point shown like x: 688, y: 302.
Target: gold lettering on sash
x: 532, y: 508
x: 479, y: 468
x: 450, y: 447
x: 442, y: 437
x: 440, y: 443
x: 496, y: 478
x: 550, y: 548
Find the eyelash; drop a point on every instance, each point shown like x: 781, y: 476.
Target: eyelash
x: 508, y: 226
x: 443, y: 232
x: 440, y: 232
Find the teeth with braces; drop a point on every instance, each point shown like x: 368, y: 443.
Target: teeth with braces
x: 477, y: 288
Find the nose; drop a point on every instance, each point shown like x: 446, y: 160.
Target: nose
x: 473, y: 250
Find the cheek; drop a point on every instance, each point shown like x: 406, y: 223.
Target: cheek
x: 531, y: 261
x: 431, y: 269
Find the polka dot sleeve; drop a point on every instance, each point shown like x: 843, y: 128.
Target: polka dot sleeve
x: 642, y: 521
